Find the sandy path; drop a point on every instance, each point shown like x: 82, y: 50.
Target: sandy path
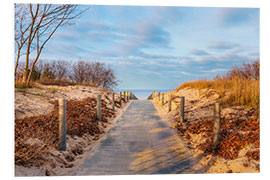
x: 140, y: 143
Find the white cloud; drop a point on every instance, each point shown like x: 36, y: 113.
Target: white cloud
x: 215, y: 70
x: 186, y: 73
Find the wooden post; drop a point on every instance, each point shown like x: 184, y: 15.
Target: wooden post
x: 113, y: 103
x: 99, y: 107
x: 159, y: 96
x: 125, y: 96
x: 163, y: 99
x: 170, y: 103
x: 120, y: 99
x: 62, y: 125
x: 129, y: 94
x: 216, y: 130
x: 182, y: 109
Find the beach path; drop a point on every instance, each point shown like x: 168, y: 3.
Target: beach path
x: 141, y: 142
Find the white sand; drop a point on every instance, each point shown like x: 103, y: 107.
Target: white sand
x: 36, y: 101
x: 194, y: 100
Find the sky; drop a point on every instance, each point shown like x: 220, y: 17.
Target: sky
x: 159, y: 47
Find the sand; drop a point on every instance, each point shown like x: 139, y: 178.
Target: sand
x: 198, y: 106
x: 37, y: 101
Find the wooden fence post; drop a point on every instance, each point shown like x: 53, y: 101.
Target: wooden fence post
x: 125, y: 96
x: 182, y: 109
x: 62, y: 125
x: 216, y: 130
x: 99, y: 107
x: 120, y: 99
x: 170, y: 103
x: 129, y: 95
x: 162, y: 99
x: 159, y: 96
x: 113, y: 103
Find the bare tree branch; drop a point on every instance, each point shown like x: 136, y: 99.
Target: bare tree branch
x: 45, y: 20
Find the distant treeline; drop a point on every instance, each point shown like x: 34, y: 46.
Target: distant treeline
x: 60, y: 72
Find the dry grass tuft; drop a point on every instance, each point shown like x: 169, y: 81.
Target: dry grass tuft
x: 21, y: 85
x: 58, y: 82
x: 241, y: 86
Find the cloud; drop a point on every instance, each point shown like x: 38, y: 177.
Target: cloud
x: 162, y: 15
x: 222, y: 45
x: 65, y: 50
x: 150, y: 45
x: 215, y: 70
x: 86, y: 26
x: 169, y: 15
x: 102, y: 37
x: 236, y: 16
x: 160, y: 56
x: 230, y: 57
x: 151, y: 34
x: 185, y: 73
x: 140, y: 36
x: 198, y: 52
x: 125, y: 40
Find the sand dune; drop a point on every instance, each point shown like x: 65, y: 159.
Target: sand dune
x: 199, y: 110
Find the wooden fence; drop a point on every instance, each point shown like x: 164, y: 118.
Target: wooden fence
x: 62, y: 115
x: 216, y: 113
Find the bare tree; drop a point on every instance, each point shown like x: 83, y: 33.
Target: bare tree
x: 109, y: 80
x: 102, y: 75
x: 94, y: 72
x: 80, y: 72
x: 246, y: 71
x: 97, y: 73
x: 62, y: 68
x: 21, y: 28
x: 45, y: 20
x: 49, y: 70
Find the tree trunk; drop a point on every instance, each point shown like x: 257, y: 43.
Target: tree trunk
x: 31, y: 37
x: 31, y: 69
x: 30, y: 74
x: 17, y: 62
x: 25, y: 71
x: 39, y: 50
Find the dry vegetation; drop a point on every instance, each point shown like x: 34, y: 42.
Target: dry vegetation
x: 64, y: 73
x: 241, y: 85
x: 239, y: 93
x: 81, y: 120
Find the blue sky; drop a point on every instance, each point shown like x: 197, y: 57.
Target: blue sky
x: 153, y: 47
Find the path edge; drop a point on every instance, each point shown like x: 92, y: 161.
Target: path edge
x: 169, y: 120
x: 103, y: 136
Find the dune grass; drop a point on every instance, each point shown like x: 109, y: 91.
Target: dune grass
x: 233, y: 89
